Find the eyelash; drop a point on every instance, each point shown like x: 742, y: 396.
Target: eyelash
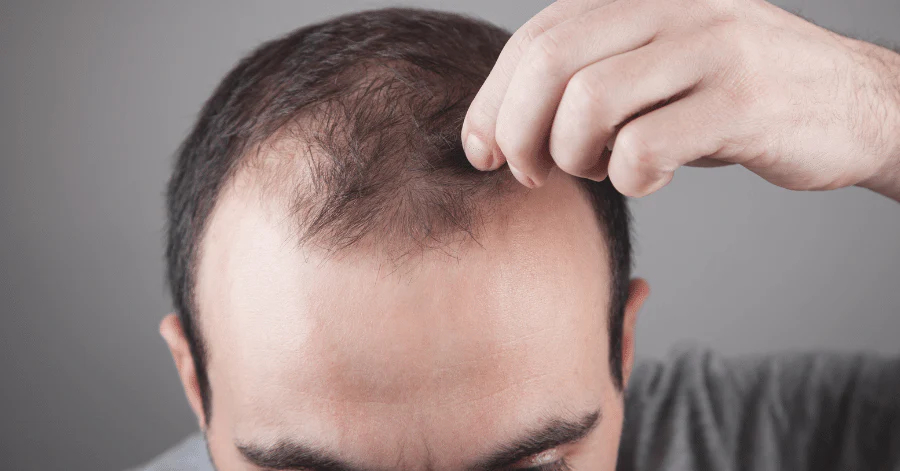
x: 560, y: 465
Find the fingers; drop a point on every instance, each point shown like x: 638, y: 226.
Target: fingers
x: 479, y: 125
x: 603, y: 95
x: 650, y: 148
x: 537, y: 86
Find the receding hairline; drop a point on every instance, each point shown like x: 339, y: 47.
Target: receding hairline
x: 274, y: 177
x: 279, y: 184
x: 412, y: 205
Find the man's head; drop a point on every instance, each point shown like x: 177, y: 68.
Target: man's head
x: 350, y: 290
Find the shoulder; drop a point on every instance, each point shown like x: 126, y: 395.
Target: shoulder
x: 709, y: 411
x: 189, y: 454
x: 701, y: 370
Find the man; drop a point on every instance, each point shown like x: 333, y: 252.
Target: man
x: 352, y: 295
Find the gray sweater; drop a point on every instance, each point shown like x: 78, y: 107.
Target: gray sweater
x: 703, y: 412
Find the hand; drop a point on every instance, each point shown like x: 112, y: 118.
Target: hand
x: 666, y: 83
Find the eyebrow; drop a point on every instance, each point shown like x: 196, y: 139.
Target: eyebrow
x: 556, y: 433
x: 287, y: 455
x: 294, y: 456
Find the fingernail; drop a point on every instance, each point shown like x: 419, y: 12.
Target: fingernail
x: 478, y: 152
x: 524, y: 179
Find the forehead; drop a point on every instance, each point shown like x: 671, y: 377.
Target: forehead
x: 498, y: 333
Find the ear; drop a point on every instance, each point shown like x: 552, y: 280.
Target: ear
x: 172, y: 332
x: 638, y: 291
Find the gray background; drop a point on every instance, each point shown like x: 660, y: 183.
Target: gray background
x: 96, y: 96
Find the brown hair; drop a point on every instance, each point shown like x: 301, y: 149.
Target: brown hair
x: 378, y: 99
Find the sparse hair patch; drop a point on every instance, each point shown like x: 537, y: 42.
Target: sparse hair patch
x: 379, y: 163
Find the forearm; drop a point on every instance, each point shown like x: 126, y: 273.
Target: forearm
x: 886, y: 65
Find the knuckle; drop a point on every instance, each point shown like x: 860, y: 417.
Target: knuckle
x: 743, y: 44
x: 533, y: 31
x: 542, y: 23
x: 545, y: 53
x: 720, y: 8
x: 527, y: 35
x: 508, y: 142
x: 481, y: 120
x: 591, y: 96
x: 637, y: 150
x: 744, y: 80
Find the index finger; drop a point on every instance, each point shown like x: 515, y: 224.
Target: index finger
x: 481, y: 118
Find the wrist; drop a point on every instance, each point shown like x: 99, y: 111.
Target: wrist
x: 886, y: 63
x: 886, y: 181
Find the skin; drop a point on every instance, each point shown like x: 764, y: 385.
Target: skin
x: 430, y: 364
x: 433, y: 366
x: 741, y: 82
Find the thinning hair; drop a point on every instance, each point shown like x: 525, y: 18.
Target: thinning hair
x: 373, y: 104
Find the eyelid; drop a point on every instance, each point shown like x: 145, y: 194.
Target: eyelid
x: 544, y: 458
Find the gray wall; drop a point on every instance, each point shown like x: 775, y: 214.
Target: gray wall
x: 96, y: 96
